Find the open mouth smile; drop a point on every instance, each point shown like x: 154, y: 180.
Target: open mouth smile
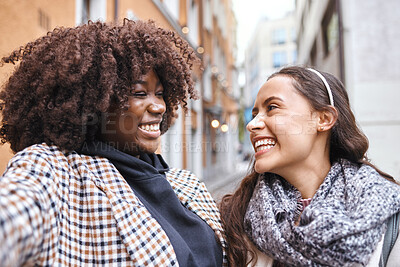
x: 150, y: 130
x: 264, y: 144
x: 150, y: 127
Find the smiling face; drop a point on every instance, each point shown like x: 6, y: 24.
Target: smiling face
x: 138, y: 128
x: 284, y: 128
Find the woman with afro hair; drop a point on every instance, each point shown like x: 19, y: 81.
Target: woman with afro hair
x: 84, y: 111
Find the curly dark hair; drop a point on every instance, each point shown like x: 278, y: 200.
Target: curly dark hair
x: 68, y: 78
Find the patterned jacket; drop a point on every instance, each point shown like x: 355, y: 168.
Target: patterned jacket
x: 66, y: 209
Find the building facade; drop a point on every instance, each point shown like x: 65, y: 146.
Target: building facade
x: 209, y: 27
x: 358, y: 42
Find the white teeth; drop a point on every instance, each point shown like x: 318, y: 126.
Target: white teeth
x: 264, y: 144
x: 150, y: 128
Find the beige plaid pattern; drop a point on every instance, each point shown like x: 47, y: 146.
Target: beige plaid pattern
x: 67, y: 209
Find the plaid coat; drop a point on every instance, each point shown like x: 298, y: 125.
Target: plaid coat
x: 66, y: 209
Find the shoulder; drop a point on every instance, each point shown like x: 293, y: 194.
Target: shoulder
x: 367, y: 177
x: 183, y: 176
x: 36, y: 156
x: 376, y: 255
x: 39, y: 151
x: 185, y: 182
x: 42, y: 160
x: 354, y: 169
x: 190, y: 190
x: 262, y: 260
x: 51, y: 155
x: 394, y: 256
x: 38, y: 168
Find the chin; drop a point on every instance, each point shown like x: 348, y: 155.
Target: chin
x: 149, y: 149
x: 259, y: 168
x: 266, y: 166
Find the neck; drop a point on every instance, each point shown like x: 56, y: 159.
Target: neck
x: 308, y: 177
x: 314, y: 178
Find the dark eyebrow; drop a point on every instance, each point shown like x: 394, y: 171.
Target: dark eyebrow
x: 138, y: 82
x: 269, y: 99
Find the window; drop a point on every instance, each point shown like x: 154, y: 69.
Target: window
x: 98, y: 10
x: 173, y: 7
x: 85, y: 15
x: 294, y: 56
x: 254, y: 73
x: 294, y: 35
x: 207, y: 15
x: 279, y: 59
x: 90, y: 10
x: 131, y: 15
x: 330, y: 28
x: 220, y: 14
x: 193, y: 21
x: 207, y: 84
x: 332, y: 33
x: 44, y: 20
x: 279, y: 36
x: 313, y: 54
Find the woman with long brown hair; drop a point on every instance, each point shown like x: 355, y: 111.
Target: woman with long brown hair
x: 312, y: 197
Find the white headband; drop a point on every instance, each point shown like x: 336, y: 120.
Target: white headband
x: 328, y: 89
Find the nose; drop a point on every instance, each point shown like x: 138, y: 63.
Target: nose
x: 157, y: 107
x: 255, y: 124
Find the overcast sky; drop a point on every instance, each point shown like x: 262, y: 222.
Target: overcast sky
x: 249, y: 12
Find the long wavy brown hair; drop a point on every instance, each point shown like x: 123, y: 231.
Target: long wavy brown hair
x: 347, y: 141
x: 67, y: 79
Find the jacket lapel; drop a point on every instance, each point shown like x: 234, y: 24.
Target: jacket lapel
x: 145, y: 240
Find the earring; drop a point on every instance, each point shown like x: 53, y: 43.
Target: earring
x: 321, y: 128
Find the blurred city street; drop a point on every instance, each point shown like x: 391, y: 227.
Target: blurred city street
x: 226, y: 182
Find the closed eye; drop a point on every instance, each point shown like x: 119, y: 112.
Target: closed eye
x: 139, y: 94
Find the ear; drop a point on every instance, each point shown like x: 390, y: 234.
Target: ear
x: 327, y: 119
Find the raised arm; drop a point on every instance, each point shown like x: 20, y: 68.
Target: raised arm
x: 27, y: 201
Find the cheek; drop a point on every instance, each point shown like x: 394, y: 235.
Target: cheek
x: 127, y: 123
x: 294, y: 126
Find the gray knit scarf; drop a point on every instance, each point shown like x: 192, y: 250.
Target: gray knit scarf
x: 341, y: 227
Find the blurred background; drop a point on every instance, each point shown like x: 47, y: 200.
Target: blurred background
x: 240, y: 43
